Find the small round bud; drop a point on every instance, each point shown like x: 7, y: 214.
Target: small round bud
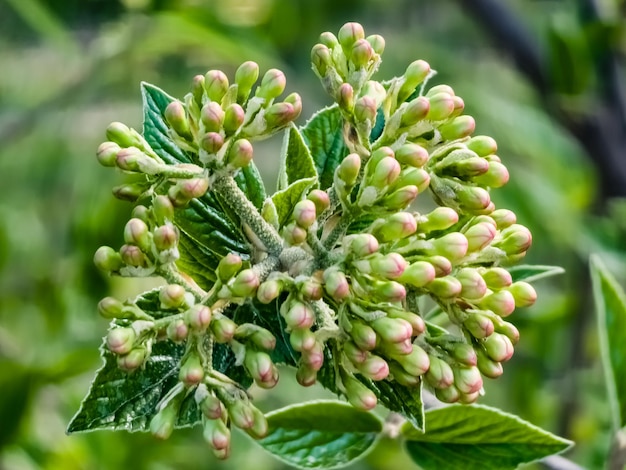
x: 463, y: 353
x: 321, y: 59
x: 449, y: 394
x: 345, y: 97
x: 412, y: 154
x: 162, y: 424
x: 299, y: 315
x: 416, y: 110
x: 141, y: 212
x: 479, y: 236
x: 501, y: 303
x: 514, y: 239
x: 417, y: 177
x: 310, y: 289
x: 386, y: 172
x: 176, y: 117
x: 198, y: 317
x: 396, y: 227
x: 320, y: 199
x: 358, y: 394
x: 279, y: 115
x: 177, y: 331
x: 211, y: 142
x: 441, y: 218
x: 392, y: 330
x: 107, y: 153
x: 403, y: 377
x: 389, y: 291
x: 401, y: 198
x: 217, y: 434
x: 197, y: 89
x: 441, y: 107
x: 192, y: 188
x: 474, y: 199
x: 272, y: 84
x: 302, y: 339
x: 304, y: 213
x: 390, y: 266
x: 136, y: 232
x: 313, y: 358
x: 442, y: 265
x: 365, y: 109
x: 172, y: 296
x: 442, y: 88
x: 440, y: 374
x: 223, y: 329
x: 295, y: 100
x: 336, y: 284
x: 363, y: 336
x: 360, y: 245
x: 498, y: 347
x: 165, y: 237
x: 133, y: 360
x: 306, y: 376
x: 348, y: 169
x: 215, y: 84
x: 260, y: 427
x: 110, y: 307
x: 482, y: 145
x: 211, y: 407
x: 504, y: 218
x: 329, y: 39
x: 129, y: 192
x: 354, y: 354
x: 459, y: 106
x: 457, y: 128
x: 446, y: 287
x: 349, y: 34
x: 415, y: 320
x: 294, y: 234
x: 240, y: 154
x: 107, y: 259
x: 416, y: 362
x: 228, y: 266
x: 374, y: 367
x: 361, y: 53
x: 479, y: 325
x: 377, y: 42
x: 121, y: 340
x: 191, y: 372
x: 487, y: 366
x: 245, y: 78
x: 467, y: 379
x: 509, y: 330
x: 452, y: 245
x: 122, y: 135
x: 496, y: 278
x: 268, y: 291
x: 415, y: 74
x: 524, y: 294
x: 133, y: 256
x: 261, y: 368
x: 473, y: 285
x: 496, y: 176
x: 233, y: 118
x: 162, y: 208
x: 245, y: 284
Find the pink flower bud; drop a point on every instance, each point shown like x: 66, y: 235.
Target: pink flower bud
x: 314, y: 357
x: 211, y: 142
x: 441, y: 106
x: 133, y: 256
x: 320, y: 199
x: 365, y: 109
x: 348, y: 169
x: 176, y: 117
x: 377, y: 42
x: 401, y: 198
x: 228, y: 266
x: 482, y: 145
x: 321, y: 59
x: 268, y: 291
x: 415, y: 111
x: 396, y: 227
x: 498, y: 347
x: 233, y: 118
x: 459, y: 106
x: 245, y: 284
x: 414, y: 319
x: 458, y: 127
x: 358, y: 394
x: 110, y: 307
x: 260, y: 427
x: 361, y: 53
x: 310, y: 289
x: 336, y: 284
x: 363, y: 336
x: 479, y: 325
x: 279, y: 115
x: 345, y: 97
x: 129, y: 192
x: 480, y: 236
x: 452, y: 245
x: 504, y: 218
x: 133, y: 360
x: 165, y: 237
x: 121, y: 340
x: 441, y: 218
x: 388, y: 291
x: 245, y: 78
x: 374, y: 367
x: 193, y: 187
x: 302, y: 339
x: 442, y: 265
x: 211, y: 407
x: 354, y: 353
x: 162, y: 209
x: 240, y: 413
x: 172, y: 296
x: 177, y: 331
x: 349, y: 34
x: 240, y: 154
x: 136, y: 232
x: 360, y: 245
x: 496, y: 176
x: 463, y: 353
x: 295, y: 100
x: 215, y: 84
x: 123, y: 136
x: 412, y: 154
x: 197, y: 89
x: 191, y: 372
x: 473, y: 199
x: 390, y: 266
x: 385, y: 173
x: 496, y: 278
x: 306, y: 376
x: 446, y: 287
x: 198, y: 317
x: 299, y: 316
x: 467, y: 379
x: 392, y: 330
x: 440, y: 374
x: 261, y: 368
x: 415, y: 74
x: 449, y: 394
x: 272, y: 84
x: 107, y: 153
x: 524, y: 294
x: 501, y: 303
x: 304, y: 213
x: 162, y: 424
x: 473, y: 285
x: 488, y: 367
x: 294, y: 234
x: 416, y: 362
x: 509, y: 330
x: 223, y: 329
x: 212, y: 116
x: 107, y: 259
x: 413, y: 176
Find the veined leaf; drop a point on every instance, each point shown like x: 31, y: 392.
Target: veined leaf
x: 532, y: 273
x: 478, y: 438
x: 406, y: 401
x: 296, y: 161
x: 285, y: 200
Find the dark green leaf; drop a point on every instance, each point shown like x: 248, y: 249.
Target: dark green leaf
x: 18, y: 385
x: 532, y: 273
x: 250, y: 181
x: 320, y: 434
x: 296, y: 162
x: 478, y: 438
x: 286, y: 199
x: 404, y: 400
x: 323, y: 135
x: 610, y: 302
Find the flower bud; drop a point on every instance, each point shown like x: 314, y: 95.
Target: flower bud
x: 329, y: 39
x: 498, y: 347
x: 198, y: 317
x: 163, y: 209
x: 414, y: 319
x: 509, y: 330
x: 121, y: 340
x: 240, y: 154
x: 487, y: 366
x: 176, y: 117
x: 122, y: 135
x: 467, y: 379
x: 414, y: 176
x: 361, y: 53
x: 279, y: 115
x: 261, y: 368
x: 162, y: 424
x: 314, y: 357
x: 349, y: 34
x: 463, y: 353
x: 211, y: 142
x: 392, y: 330
x: 524, y: 294
x: 469, y: 398
x: 446, y: 287
x: 211, y: 407
x: 320, y: 199
x: 358, y: 394
x: 501, y: 303
x: 457, y: 128
x: 223, y: 329
x: 403, y: 377
x: 365, y: 109
x: 442, y: 265
x: 415, y: 74
x: 496, y: 278
x: 473, y: 285
x: 449, y: 394
x: 129, y: 192
x: 304, y: 213
x: 479, y: 325
x: 131, y: 159
x: 401, y: 198
x: 504, y: 218
x: 459, y: 106
x: 354, y: 353
x: 268, y: 291
x: 496, y: 176
x: 228, y: 266
x: 107, y: 153
x: 172, y: 296
x: 412, y: 154
x: 377, y: 42
x: 107, y: 259
x: 302, y: 339
x: 345, y: 97
x: 385, y: 173
x: 452, y: 245
x: 374, y: 367
x: 141, y: 212
x: 388, y: 291
x: 441, y: 106
x: 360, y: 245
x: 440, y: 374
x: 177, y: 331
x: 415, y: 111
x: 186, y: 190
x: 482, y: 145
x: 233, y: 118
x: 191, y: 372
x: 217, y: 434
x: 272, y: 84
x: 321, y: 59
x: 310, y: 289
x: 441, y: 218
x: 245, y: 78
x: 260, y: 427
x: 306, y: 376
x: 215, y: 84
x: 299, y: 316
x: 133, y: 256
x: 245, y: 284
x: 165, y: 237
x: 336, y: 284
x: 110, y: 307
x: 133, y: 360
x: 397, y: 226
x: 197, y: 89
x: 395, y: 349
x: 348, y: 169
x: 415, y: 363
x: 294, y: 234
x: 136, y: 232
x: 390, y: 266
x: 363, y: 335
x: 479, y: 236
x: 514, y: 239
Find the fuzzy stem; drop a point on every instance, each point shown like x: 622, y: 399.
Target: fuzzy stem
x: 173, y: 277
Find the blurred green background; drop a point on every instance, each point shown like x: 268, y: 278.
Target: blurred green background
x: 545, y: 78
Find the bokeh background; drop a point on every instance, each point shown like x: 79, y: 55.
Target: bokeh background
x: 544, y: 77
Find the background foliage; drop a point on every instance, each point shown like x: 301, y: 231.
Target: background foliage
x: 543, y: 77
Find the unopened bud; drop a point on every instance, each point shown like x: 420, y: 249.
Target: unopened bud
x: 442, y: 88
x: 390, y: 266
x: 294, y: 234
x: 415, y: 111
x: 358, y: 394
x: 479, y: 236
x: 189, y: 189
x: 198, y: 317
x: 509, y: 330
x: 121, y: 340
x: 122, y: 135
x: 345, y: 97
x: 463, y: 353
x: 133, y: 360
x: 403, y: 377
x: 354, y: 353
x: 496, y: 176
x: 272, y: 84
x: 363, y: 336
x: 482, y: 145
x: 459, y: 106
x: 302, y: 339
x: 215, y: 84
x: 217, y: 434
x: 245, y: 78
x: 197, y: 89
x: 136, y: 232
x: 449, y: 394
x: 260, y: 427
x: 524, y: 294
x: 348, y: 169
x: 306, y: 376
x: 415, y: 74
x: 320, y: 199
x: 177, y: 330
x: 412, y: 154
x: 473, y: 285
x: 498, y: 347
x: 223, y: 329
x: 162, y: 208
x: 487, y: 366
x: 416, y: 362
x: 172, y: 296
x: 479, y: 325
x: 129, y: 192
x: 515, y: 239
x: 361, y: 53
x: 110, y: 307
x: 228, y: 266
x: 165, y: 237
x: 107, y: 259
x: 191, y: 372
x: 501, y: 303
x: 299, y: 316
x: 245, y: 284
x: 377, y: 42
x: 417, y: 177
x: 279, y: 115
x: 162, y: 424
x: 310, y: 289
x: 397, y: 226
x: 304, y: 213
x: 474, y: 199
x: 133, y: 256
x: 360, y: 245
x: 261, y: 368
x: 388, y: 291
x: 453, y: 246
x: 414, y: 319
x: 349, y: 34
x: 365, y: 109
x: 374, y: 367
x: 392, y: 330
x: 336, y: 284
x: 401, y: 198
x: 107, y: 153
x: 240, y: 154
x: 440, y: 374
x: 211, y: 142
x: 446, y: 287
x: 233, y: 118
x: 441, y: 106
x: 313, y: 358
x: 459, y: 127
x: 504, y: 218
x: 268, y: 291
x: 441, y: 218
x: 385, y: 173
x: 321, y: 59
x: 467, y: 379
x: 295, y: 100
x: 496, y: 278
x: 176, y: 117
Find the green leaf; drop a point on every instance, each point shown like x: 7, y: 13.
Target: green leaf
x: 323, y: 135
x: 296, y: 162
x: 532, y: 273
x: 478, y: 438
x: 610, y: 302
x: 320, y: 434
x: 250, y: 181
x: 286, y: 199
x: 118, y: 400
x: 401, y: 399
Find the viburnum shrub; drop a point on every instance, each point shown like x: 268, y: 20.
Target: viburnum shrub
x: 337, y: 274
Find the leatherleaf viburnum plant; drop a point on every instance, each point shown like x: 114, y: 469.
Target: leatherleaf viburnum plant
x: 336, y: 274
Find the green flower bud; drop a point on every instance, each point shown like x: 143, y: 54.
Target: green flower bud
x: 441, y: 218
x: 141, y: 212
x: 496, y: 278
x: 320, y: 199
x: 441, y: 106
x: 345, y: 97
x: 163, y: 209
x: 467, y: 379
x: 412, y: 154
x: 212, y: 116
x: 390, y: 266
x: 473, y: 285
x: 442, y: 88
x: 314, y: 357
x: 228, y: 266
x: 136, y: 232
x: 465, y: 168
x: 306, y: 376
x: 509, y: 330
x: 260, y: 427
x: 463, y: 353
x: 415, y: 320
x: 385, y: 173
x: 363, y: 335
x: 354, y: 353
x: 440, y: 374
x: 321, y: 58
x: 474, y: 199
x: 177, y: 331
x: 360, y: 245
x: 191, y: 372
x: 415, y: 74
x: 256, y: 335
x: 358, y: 394
x: 479, y: 325
x: 240, y: 154
x: 329, y: 39
x: 349, y: 34
x: 397, y: 226
x: 459, y: 106
x: 162, y: 424
x: 304, y: 213
x: 295, y: 100
x: 211, y: 407
x: 415, y: 111
x: 414, y: 176
x: 348, y: 169
x: 501, y: 303
x: 479, y: 236
x: 110, y: 307
x: 121, y: 340
x: 197, y: 89
x: 504, y: 218
x: 401, y: 198
x: 361, y: 53
x: 172, y: 296
x: 448, y: 395
x: 133, y: 360
x: 377, y: 42
x: 176, y: 117
x: 452, y: 245
x: 129, y: 192
x: 365, y: 109
x: 523, y: 293
x: 498, y: 347
x: 268, y: 291
x: 198, y: 317
x: 245, y: 284
x: 279, y: 115
x: 401, y: 348
x: 388, y: 291
x: 223, y: 329
x: 233, y: 118
x: 482, y: 145
x: 496, y: 176
x: 415, y: 363
x: 374, y: 368
x: 514, y: 239
x: 217, y: 434
x: 122, y: 135
x: 186, y: 190
x: 487, y: 366
x: 215, y: 84
x: 458, y: 127
x: 392, y: 330
x: 261, y: 368
x: 336, y: 284
x: 133, y: 159
x: 403, y: 377
x: 165, y: 237
x: 299, y: 316
x: 272, y: 84
x: 310, y: 289
x: 245, y: 77
x: 302, y: 339
x: 133, y: 256
x: 294, y: 234
x: 107, y: 153
x: 446, y: 287
x: 107, y: 259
